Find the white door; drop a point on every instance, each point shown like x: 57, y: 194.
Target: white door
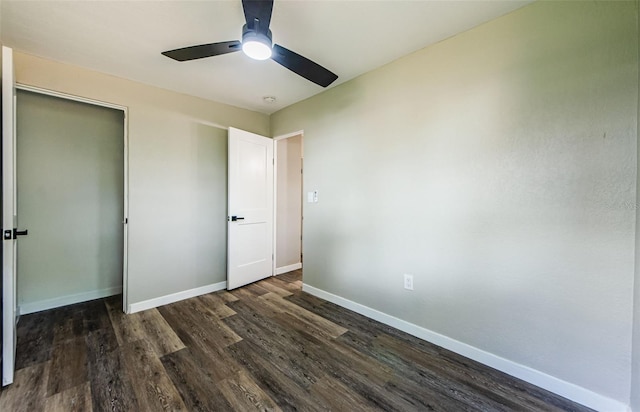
x: 250, y: 220
x: 9, y: 219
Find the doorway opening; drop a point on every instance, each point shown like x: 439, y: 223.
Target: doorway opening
x: 71, y: 197
x: 289, y: 170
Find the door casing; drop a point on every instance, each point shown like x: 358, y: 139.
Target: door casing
x: 275, y: 197
x: 124, y: 111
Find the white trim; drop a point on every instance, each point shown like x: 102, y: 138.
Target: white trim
x: 288, y: 268
x: 288, y: 135
x: 274, y: 249
x: 535, y: 377
x: 125, y: 215
x: 67, y: 96
x: 46, y: 304
x: 175, y: 297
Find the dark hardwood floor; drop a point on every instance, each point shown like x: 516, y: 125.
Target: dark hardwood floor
x: 266, y: 346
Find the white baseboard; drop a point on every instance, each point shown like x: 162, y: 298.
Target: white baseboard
x: 288, y: 268
x: 175, y: 297
x: 566, y: 389
x: 41, y: 305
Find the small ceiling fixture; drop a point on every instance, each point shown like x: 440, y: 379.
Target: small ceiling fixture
x: 269, y: 99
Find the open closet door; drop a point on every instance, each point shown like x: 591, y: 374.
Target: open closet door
x: 9, y: 218
x: 250, y: 220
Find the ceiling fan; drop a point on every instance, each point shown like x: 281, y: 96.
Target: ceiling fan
x: 256, y: 43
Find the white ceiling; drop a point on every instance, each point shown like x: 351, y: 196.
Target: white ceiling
x: 125, y: 38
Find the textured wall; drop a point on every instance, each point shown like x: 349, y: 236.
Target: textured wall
x: 499, y: 168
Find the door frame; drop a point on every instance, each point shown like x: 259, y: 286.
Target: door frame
x: 125, y: 222
x: 275, y: 194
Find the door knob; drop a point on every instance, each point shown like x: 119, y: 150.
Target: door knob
x: 235, y: 218
x: 13, y: 234
x: 17, y: 233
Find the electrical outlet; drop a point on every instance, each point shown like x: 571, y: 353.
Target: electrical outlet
x: 408, y: 281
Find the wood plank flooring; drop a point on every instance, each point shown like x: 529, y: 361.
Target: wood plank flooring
x: 264, y: 347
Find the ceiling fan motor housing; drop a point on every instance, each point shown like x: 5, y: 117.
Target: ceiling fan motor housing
x: 255, y: 35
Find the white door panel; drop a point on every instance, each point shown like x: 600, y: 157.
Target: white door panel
x: 250, y: 223
x: 9, y: 218
x: 252, y: 164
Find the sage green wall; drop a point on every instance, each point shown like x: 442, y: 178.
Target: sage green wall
x: 177, y: 161
x: 70, y: 167
x: 499, y: 168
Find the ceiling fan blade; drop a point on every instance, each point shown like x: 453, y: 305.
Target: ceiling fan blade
x: 204, y: 50
x: 258, y: 9
x: 303, y: 66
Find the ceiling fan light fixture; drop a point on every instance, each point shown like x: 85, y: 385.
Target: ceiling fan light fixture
x: 256, y: 50
x: 256, y: 45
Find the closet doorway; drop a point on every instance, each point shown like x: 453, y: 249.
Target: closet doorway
x: 71, y: 197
